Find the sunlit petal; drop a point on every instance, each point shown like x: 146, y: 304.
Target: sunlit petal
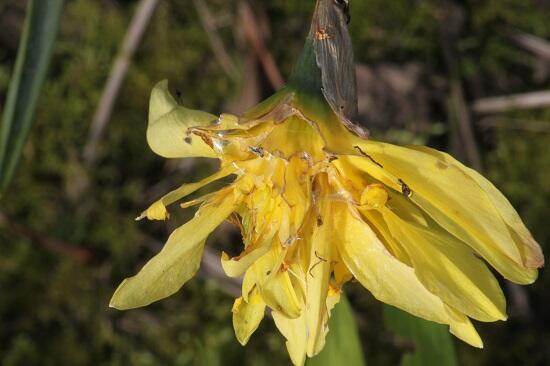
x: 167, y: 132
x: 247, y: 316
x: 388, y: 279
x: 457, y: 203
x: 449, y: 269
x: 176, y: 263
x: 157, y: 211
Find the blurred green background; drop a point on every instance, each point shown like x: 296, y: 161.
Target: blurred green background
x: 67, y: 229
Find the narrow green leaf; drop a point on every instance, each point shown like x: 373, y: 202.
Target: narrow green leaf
x: 343, y: 346
x: 33, y: 57
x: 432, y: 342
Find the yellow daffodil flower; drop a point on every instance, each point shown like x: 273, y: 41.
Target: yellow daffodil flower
x: 318, y: 205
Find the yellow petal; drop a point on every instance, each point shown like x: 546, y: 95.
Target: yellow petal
x: 374, y: 196
x: 249, y: 283
x: 380, y: 227
x: 247, y: 316
x: 507, y: 267
x: 258, y: 238
x: 529, y: 248
x: 341, y: 272
x: 235, y: 267
x: 279, y: 294
x: 449, y: 269
x: 456, y: 202
x: 294, y: 136
x: 284, y: 224
x: 274, y: 283
x: 388, y: 279
x: 318, y: 277
x: 297, y: 192
x: 177, y: 262
x: 157, y: 211
x: 167, y: 132
x: 333, y: 298
x: 294, y: 330
x: 463, y: 328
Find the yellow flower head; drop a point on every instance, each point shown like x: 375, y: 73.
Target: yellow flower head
x: 318, y: 205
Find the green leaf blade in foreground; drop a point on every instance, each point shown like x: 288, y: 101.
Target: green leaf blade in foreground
x: 432, y: 342
x: 343, y: 345
x: 33, y: 57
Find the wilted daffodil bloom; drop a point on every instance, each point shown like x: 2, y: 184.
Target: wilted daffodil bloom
x: 319, y: 205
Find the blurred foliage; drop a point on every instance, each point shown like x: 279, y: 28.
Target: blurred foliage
x: 54, y: 309
x: 33, y: 58
x: 430, y: 342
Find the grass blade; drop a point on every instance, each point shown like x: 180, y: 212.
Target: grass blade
x: 433, y: 344
x: 343, y: 345
x: 33, y: 57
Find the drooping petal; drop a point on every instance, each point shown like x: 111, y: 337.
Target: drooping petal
x: 380, y: 228
x: 507, y: 267
x: 529, y: 248
x: 297, y: 192
x: 463, y: 328
x: 247, y: 316
x: 297, y: 333
x: 449, y: 269
x: 157, y: 211
x: 456, y: 202
x: 167, y: 131
x: 388, y: 279
x: 294, y: 330
x: 279, y: 294
x: 318, y: 277
x: 249, y: 284
x: 333, y: 298
x: 274, y: 284
x: 259, y: 228
x: 236, y: 266
x: 176, y: 263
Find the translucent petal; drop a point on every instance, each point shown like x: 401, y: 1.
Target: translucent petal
x: 279, y: 294
x: 388, y: 279
x: 507, y: 267
x: 294, y: 330
x: 157, y: 211
x: 294, y: 136
x: 456, y: 202
x: 318, y: 277
x: 380, y: 227
x: 333, y: 298
x: 449, y: 269
x: 167, y: 131
x: 249, y: 283
x: 529, y: 248
x: 236, y: 266
x: 297, y: 192
x: 247, y: 316
x: 177, y: 262
x: 275, y: 285
x: 463, y: 328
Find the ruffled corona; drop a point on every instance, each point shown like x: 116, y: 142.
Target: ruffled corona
x: 317, y: 206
